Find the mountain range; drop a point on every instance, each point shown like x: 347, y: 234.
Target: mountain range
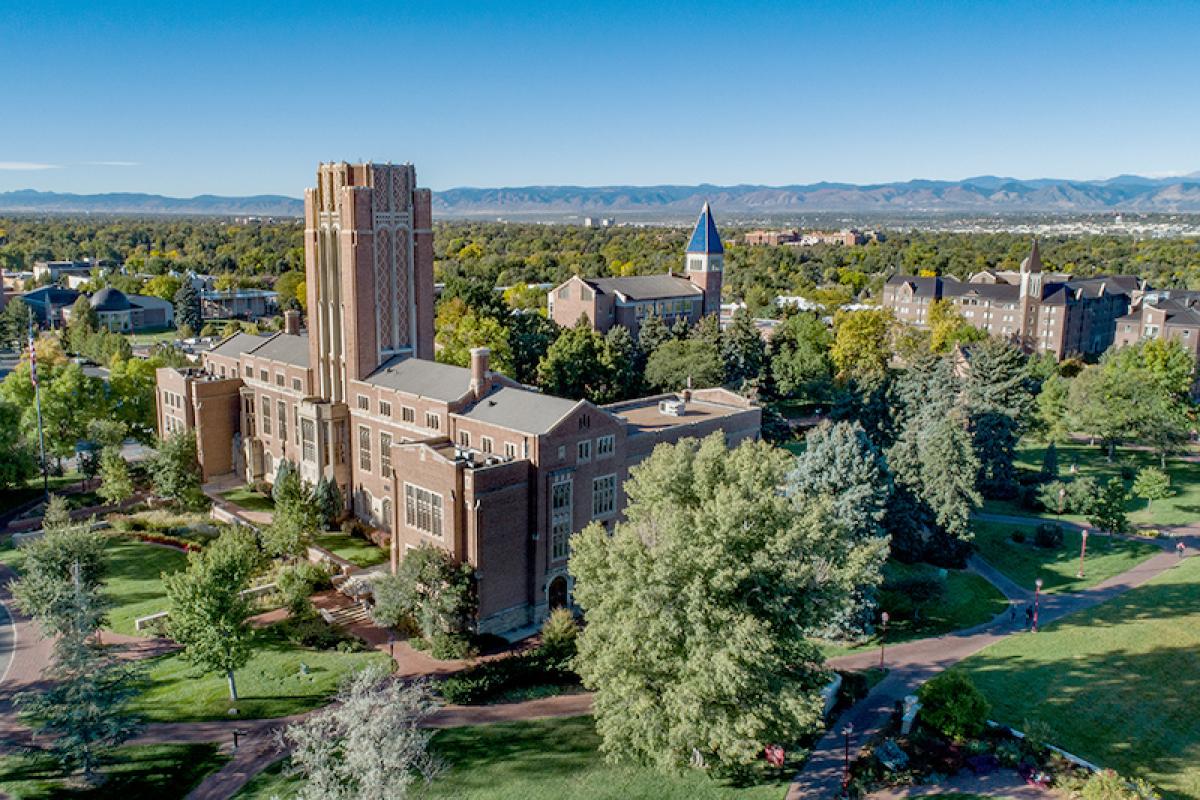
x: 984, y: 194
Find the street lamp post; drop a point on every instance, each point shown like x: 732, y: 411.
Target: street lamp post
x: 847, y: 731
x: 1037, y: 594
x: 883, y: 637
x: 1082, y: 552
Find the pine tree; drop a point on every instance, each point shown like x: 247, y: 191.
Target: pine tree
x: 328, y: 498
x: 187, y: 308
x: 743, y: 350
x: 624, y: 364
x: 82, y: 325
x: 1050, y: 461
x: 652, y: 333
x: 115, y: 484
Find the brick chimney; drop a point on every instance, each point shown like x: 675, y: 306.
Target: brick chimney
x: 481, y: 378
x: 291, y: 322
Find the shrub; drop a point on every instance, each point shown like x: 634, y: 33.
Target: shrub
x: 446, y: 646
x: 559, y: 632
x: 1038, y: 736
x: 1108, y: 785
x: 296, y: 583
x: 1054, y: 497
x: 1129, y: 469
x: 355, y: 527
x: 1081, y: 495
x: 952, y: 706
x: 1048, y: 535
x: 485, y: 681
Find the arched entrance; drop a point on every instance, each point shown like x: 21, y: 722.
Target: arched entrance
x: 558, y: 593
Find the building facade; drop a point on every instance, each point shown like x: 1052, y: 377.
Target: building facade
x: 625, y: 302
x: 1040, y: 311
x: 463, y: 458
x: 1170, y: 314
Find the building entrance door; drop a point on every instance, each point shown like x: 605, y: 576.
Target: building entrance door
x: 558, y: 593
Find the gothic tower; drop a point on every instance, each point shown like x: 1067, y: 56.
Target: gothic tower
x: 368, y: 271
x: 1031, y: 297
x: 705, y: 260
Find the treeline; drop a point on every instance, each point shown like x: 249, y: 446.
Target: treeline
x: 502, y: 254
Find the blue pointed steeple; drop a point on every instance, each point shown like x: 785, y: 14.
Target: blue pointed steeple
x: 705, y: 238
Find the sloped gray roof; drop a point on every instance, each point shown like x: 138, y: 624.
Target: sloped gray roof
x: 417, y: 376
x: 646, y: 287
x: 520, y: 409
x: 238, y: 344
x: 110, y: 299
x: 287, y: 348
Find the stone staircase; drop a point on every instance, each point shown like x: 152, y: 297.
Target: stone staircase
x: 346, y: 616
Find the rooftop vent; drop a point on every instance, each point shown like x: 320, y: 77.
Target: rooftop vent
x: 672, y: 408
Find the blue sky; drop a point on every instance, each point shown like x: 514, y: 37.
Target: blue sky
x: 246, y: 97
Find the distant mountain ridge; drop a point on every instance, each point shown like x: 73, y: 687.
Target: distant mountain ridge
x: 980, y: 194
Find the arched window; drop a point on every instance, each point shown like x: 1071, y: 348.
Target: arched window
x: 386, y: 523
x: 557, y: 593
x: 268, y: 465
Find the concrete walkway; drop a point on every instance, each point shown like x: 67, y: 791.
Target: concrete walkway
x: 913, y: 663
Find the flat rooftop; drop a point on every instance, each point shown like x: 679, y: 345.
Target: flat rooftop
x: 644, y: 416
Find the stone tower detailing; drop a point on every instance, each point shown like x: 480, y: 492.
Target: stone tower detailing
x: 369, y: 271
x: 705, y: 260
x: 1031, y: 297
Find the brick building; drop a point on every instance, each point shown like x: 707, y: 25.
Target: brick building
x: 1041, y: 311
x: 627, y: 301
x: 1163, y: 314
x: 463, y: 458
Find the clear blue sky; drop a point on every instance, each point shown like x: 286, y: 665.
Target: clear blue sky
x: 240, y: 98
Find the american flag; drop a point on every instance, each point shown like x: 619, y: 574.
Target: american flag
x: 32, y: 361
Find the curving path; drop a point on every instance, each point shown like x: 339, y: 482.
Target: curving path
x: 913, y: 663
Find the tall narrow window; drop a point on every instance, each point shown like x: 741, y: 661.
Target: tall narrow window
x: 561, y: 508
x: 385, y: 408
x: 281, y: 407
x: 308, y: 445
x: 364, y: 448
x: 423, y: 510
x: 604, y: 495
x: 266, y: 416
x: 385, y: 454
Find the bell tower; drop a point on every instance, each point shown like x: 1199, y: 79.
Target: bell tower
x: 704, y: 260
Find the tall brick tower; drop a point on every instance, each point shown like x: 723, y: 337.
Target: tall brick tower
x: 368, y: 269
x: 705, y: 260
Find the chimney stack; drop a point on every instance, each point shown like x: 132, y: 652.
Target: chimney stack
x: 481, y: 381
x: 291, y: 322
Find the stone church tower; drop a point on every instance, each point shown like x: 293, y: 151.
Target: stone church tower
x: 1031, y: 297
x: 705, y: 260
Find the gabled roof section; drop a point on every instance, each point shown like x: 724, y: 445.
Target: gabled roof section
x: 1033, y: 261
x: 417, y: 376
x: 645, y: 287
x: 237, y: 345
x: 521, y: 410
x: 705, y: 238
x: 286, y: 348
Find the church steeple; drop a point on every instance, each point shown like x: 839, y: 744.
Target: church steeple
x: 1031, y: 273
x: 705, y: 260
x: 1033, y: 261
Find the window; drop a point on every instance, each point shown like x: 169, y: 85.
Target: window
x: 364, y: 448
x: 249, y: 371
x: 510, y: 450
x: 364, y: 402
x: 279, y: 379
x: 221, y: 370
x: 262, y: 375
x: 385, y: 455
x: 605, y: 446
x: 464, y: 438
x: 560, y: 515
x: 604, y: 496
x: 266, y: 415
x: 282, y: 409
x: 408, y: 414
x: 432, y: 420
x: 296, y: 422
x: 562, y: 452
x: 423, y: 510
x: 387, y: 514
x: 487, y: 445
x: 564, y: 292
x: 308, y: 444
x: 295, y: 384
x: 385, y: 408
x: 584, y: 451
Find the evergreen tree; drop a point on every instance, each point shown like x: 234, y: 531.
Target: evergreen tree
x: 652, y: 333
x: 187, y: 308
x: 1108, y: 509
x: 63, y: 565
x: 712, y: 565
x: 81, y: 325
x: 743, y: 349
x: 17, y: 461
x: 680, y: 329
x: 297, y: 516
x: 529, y: 338
x: 708, y: 329
x: 624, y: 364
x: 328, y: 498
x: 206, y: 611
x: 998, y: 395
x: 14, y: 323
x: 1050, y: 461
x: 115, y: 484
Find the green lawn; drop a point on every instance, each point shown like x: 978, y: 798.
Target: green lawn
x: 134, y: 582
x: 1026, y: 562
x: 1117, y: 683
x: 541, y: 760
x: 154, y: 337
x: 270, y: 685
x: 969, y: 600
x: 32, y: 489
x: 165, y: 772
x: 1181, y: 509
x: 357, y: 551
x: 249, y: 499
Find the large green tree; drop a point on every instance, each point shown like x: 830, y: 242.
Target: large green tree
x: 206, y: 611
x: 800, y: 362
x: 862, y: 342
x: 698, y: 606
x: 574, y: 366
x: 743, y: 350
x: 678, y: 363
x: 187, y: 308
x: 175, y: 470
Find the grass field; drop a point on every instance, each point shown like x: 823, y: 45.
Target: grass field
x: 1181, y: 509
x: 272, y: 684
x: 1117, y: 684
x: 154, y: 337
x: 1026, y: 562
x: 134, y: 578
x: 969, y: 600
x: 165, y: 772
x: 249, y: 499
x: 541, y: 760
x: 357, y: 551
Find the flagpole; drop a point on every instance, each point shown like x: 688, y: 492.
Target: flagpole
x: 37, y: 395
